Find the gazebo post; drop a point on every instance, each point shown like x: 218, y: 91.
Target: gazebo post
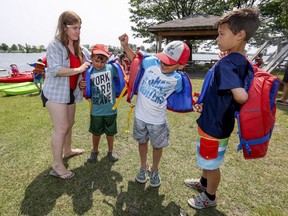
x: 159, y: 44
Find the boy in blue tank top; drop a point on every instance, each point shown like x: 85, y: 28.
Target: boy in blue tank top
x: 224, y: 96
x: 103, y: 98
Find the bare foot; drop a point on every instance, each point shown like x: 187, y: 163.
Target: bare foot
x: 74, y: 152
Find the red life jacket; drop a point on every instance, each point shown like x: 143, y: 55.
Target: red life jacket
x: 39, y: 68
x: 257, y: 116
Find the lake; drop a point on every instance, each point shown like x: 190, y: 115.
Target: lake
x: 21, y: 60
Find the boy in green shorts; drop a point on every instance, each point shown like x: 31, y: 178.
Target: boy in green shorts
x: 103, y: 98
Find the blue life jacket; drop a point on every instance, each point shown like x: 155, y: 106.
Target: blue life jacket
x: 118, y: 81
x: 178, y: 101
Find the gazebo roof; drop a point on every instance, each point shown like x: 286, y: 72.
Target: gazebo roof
x: 193, y: 27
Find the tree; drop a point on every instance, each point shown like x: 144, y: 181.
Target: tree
x: 146, y: 13
x: 275, y: 16
x: 21, y: 48
x: 28, y: 48
x: 14, y: 47
x: 4, y: 47
x: 42, y: 48
x: 34, y: 49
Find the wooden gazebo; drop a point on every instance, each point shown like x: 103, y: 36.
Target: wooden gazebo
x: 193, y: 27
x: 201, y: 27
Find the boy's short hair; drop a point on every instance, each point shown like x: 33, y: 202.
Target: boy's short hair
x: 246, y: 19
x: 40, y: 61
x: 175, y: 52
x: 100, y: 49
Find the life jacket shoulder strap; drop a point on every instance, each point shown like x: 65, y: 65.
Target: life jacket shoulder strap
x: 118, y: 81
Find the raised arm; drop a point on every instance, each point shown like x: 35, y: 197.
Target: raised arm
x: 124, y: 43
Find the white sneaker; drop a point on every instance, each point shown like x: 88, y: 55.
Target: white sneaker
x: 201, y: 201
x: 141, y: 176
x: 195, y: 184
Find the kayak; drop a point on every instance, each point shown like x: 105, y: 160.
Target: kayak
x: 21, y: 90
x: 14, y: 85
x: 26, y: 76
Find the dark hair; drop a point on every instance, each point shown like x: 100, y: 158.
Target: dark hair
x: 100, y: 57
x: 122, y: 56
x: 246, y: 19
x: 65, y: 19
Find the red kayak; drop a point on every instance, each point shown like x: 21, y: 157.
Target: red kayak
x: 26, y: 76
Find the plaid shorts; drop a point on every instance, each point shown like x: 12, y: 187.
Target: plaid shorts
x: 157, y: 134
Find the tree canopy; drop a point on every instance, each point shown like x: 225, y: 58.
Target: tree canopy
x: 146, y: 13
x: 275, y: 15
x: 22, y: 49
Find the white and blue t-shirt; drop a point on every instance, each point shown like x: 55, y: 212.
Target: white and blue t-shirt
x: 154, y: 89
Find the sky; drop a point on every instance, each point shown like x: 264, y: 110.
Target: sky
x: 35, y: 21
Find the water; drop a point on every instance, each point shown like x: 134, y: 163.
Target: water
x: 205, y: 57
x: 20, y: 59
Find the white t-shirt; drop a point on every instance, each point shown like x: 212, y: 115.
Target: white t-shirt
x: 153, y: 91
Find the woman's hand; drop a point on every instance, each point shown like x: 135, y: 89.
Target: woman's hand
x: 82, y: 84
x: 84, y: 66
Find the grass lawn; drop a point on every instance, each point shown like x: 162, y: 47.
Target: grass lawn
x: 247, y: 187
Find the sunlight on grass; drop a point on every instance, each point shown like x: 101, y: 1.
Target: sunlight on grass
x: 248, y: 187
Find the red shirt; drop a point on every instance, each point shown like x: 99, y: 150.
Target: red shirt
x: 74, y: 63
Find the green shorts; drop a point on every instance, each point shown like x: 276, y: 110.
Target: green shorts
x: 103, y: 124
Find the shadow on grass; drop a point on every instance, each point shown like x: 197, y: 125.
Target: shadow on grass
x: 209, y: 212
x: 139, y: 200
x: 42, y: 193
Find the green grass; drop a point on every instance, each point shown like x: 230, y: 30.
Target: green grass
x: 247, y: 187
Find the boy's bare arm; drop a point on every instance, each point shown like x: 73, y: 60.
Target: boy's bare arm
x: 239, y: 95
x: 124, y: 43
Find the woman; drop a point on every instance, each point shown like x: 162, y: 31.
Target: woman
x: 61, y: 92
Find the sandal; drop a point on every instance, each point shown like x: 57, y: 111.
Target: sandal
x: 65, y: 176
